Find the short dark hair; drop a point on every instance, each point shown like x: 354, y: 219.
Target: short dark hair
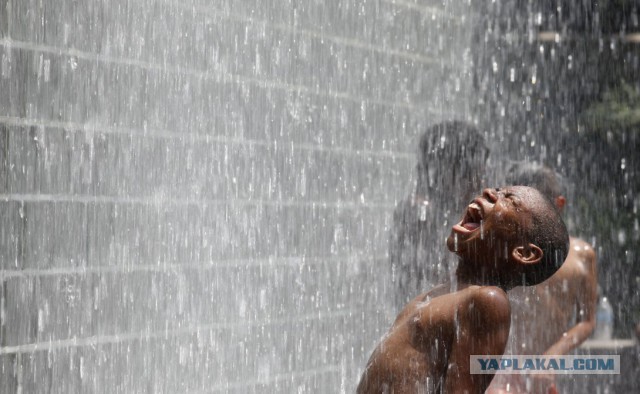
x: 543, y: 178
x: 549, y: 233
x: 452, y: 140
x: 461, y: 148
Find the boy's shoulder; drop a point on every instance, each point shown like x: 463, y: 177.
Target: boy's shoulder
x: 489, y: 301
x: 487, y: 293
x: 484, y: 306
x: 488, y: 305
x: 483, y: 297
x: 579, y: 264
x: 582, y: 248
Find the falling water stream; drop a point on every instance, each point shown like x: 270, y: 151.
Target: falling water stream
x: 197, y: 196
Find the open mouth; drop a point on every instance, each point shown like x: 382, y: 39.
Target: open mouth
x: 472, y: 218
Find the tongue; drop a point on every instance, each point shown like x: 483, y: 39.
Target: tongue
x: 471, y: 226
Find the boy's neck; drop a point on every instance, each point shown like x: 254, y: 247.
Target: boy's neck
x: 468, y: 274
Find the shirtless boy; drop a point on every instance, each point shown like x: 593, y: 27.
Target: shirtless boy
x: 507, y: 237
x: 556, y: 316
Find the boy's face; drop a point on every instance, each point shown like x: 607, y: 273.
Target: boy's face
x: 492, y: 224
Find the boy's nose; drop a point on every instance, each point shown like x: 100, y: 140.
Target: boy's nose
x: 490, y: 194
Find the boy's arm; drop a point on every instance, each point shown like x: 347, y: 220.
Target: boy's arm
x: 483, y: 329
x: 586, y: 300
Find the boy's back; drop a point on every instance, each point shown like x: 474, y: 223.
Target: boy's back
x: 428, y: 347
x: 544, y: 313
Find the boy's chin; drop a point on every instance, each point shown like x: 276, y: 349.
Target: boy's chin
x: 458, y: 249
x: 451, y: 244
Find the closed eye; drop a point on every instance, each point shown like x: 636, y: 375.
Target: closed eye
x: 513, y: 198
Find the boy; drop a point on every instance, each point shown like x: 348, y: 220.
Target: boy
x: 556, y: 316
x: 507, y: 237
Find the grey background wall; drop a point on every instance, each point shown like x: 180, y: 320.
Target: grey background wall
x: 196, y: 196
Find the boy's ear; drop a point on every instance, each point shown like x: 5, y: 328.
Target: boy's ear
x: 560, y: 202
x: 527, y: 254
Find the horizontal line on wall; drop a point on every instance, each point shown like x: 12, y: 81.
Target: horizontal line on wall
x: 159, y: 200
x: 176, y: 268
x: 421, y: 8
x: 218, y: 77
x: 292, y: 29
x: 157, y: 133
x: 273, y: 379
x: 99, y: 340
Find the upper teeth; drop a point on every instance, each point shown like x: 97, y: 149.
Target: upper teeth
x: 475, y: 207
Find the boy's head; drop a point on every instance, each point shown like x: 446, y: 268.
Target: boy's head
x: 452, y: 154
x: 512, y: 235
x: 543, y: 178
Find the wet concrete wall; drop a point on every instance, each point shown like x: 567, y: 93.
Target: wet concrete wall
x: 196, y: 196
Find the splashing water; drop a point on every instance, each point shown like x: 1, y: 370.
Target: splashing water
x: 200, y: 197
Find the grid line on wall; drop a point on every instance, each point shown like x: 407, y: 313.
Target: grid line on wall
x: 146, y: 335
x: 88, y: 199
x: 330, y: 369
x: 294, y: 30
x: 218, y: 77
x: 421, y: 8
x: 194, y: 137
x: 181, y: 267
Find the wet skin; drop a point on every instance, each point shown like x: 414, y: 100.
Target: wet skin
x: 490, y: 239
x: 428, y: 347
x: 552, y: 305
x: 544, y: 315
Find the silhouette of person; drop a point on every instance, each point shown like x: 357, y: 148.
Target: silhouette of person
x: 451, y: 164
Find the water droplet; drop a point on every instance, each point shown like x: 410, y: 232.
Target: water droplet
x: 6, y: 66
x: 82, y: 368
x: 538, y: 18
x: 622, y: 237
x: 73, y: 62
x: 423, y: 211
x: 46, y: 70
x: 242, y: 309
